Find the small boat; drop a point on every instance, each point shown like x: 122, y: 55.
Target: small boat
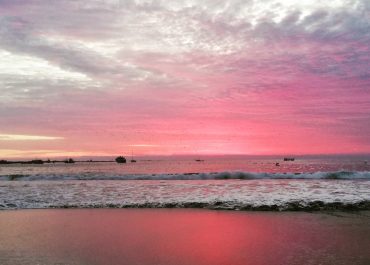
x: 289, y: 158
x: 132, y: 158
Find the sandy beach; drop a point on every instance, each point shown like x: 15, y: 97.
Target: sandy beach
x: 182, y: 236
x: 189, y: 132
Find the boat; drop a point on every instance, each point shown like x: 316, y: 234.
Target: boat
x: 289, y: 158
x: 132, y: 158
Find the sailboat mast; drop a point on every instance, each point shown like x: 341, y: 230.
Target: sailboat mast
x: 132, y: 157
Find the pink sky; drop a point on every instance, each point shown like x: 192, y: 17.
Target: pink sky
x: 184, y: 77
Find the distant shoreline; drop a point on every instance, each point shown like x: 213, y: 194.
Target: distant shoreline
x: 40, y: 162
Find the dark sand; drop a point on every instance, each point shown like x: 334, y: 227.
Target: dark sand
x: 182, y: 236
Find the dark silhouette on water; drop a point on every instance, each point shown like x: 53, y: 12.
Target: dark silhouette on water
x: 69, y: 161
x: 48, y: 161
x: 132, y: 158
x: 35, y: 162
x: 289, y: 158
x: 120, y: 160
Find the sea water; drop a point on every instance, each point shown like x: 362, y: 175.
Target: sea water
x: 182, y: 237
x: 217, y: 182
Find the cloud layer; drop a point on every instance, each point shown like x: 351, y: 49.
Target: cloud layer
x: 192, y: 76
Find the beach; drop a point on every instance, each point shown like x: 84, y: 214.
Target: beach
x: 183, y: 236
x: 234, y: 211
x: 194, y: 132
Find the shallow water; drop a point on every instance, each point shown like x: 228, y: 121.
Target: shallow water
x: 196, y: 237
x: 233, y: 182
x: 272, y: 194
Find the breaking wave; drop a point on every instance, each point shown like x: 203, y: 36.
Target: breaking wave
x: 341, y: 175
x: 217, y: 205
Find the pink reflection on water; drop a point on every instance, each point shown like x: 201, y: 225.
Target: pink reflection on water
x: 181, y: 237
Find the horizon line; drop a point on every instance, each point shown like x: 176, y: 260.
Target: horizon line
x: 180, y: 155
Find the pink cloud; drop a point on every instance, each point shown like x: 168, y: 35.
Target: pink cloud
x: 169, y: 78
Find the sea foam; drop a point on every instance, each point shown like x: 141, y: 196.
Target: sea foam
x: 343, y: 175
x: 254, y: 194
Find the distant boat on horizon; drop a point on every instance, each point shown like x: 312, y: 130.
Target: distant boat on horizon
x: 132, y: 157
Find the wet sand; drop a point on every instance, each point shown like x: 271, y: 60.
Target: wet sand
x: 183, y: 236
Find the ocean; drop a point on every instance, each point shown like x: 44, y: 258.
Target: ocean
x: 214, y: 182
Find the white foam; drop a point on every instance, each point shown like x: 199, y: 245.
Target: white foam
x: 277, y: 194
x: 191, y: 176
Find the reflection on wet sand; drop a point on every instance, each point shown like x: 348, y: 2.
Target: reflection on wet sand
x: 158, y: 236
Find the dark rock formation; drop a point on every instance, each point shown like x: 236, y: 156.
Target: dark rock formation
x: 120, y: 160
x: 69, y: 161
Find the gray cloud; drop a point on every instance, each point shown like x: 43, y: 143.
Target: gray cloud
x: 151, y: 60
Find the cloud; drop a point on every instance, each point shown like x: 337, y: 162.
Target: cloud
x: 18, y: 137
x: 187, y: 72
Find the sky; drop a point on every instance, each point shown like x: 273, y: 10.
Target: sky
x: 160, y: 77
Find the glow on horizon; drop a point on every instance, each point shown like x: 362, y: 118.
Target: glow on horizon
x: 52, y: 154
x: 184, y: 77
x: 19, y: 137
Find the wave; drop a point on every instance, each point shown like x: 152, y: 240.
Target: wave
x: 363, y: 205
x: 340, y: 175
